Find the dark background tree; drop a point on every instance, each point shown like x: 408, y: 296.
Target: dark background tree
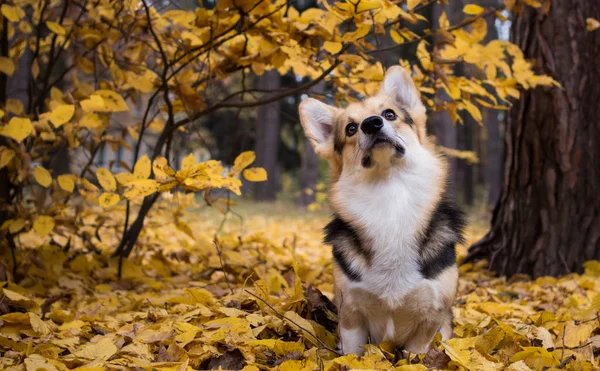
x: 547, y: 221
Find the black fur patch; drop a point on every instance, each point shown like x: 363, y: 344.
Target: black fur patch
x: 338, y: 144
x: 444, y: 231
x: 407, y: 118
x: 338, y: 255
x: 366, y: 162
x: 344, y: 239
x: 445, y: 258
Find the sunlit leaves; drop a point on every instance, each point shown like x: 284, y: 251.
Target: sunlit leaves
x: 6, y: 155
x: 17, y: 129
x: 66, y: 182
x: 93, y: 103
x: 108, y: 199
x: 242, y: 161
x: 106, y: 179
x: 112, y: 101
x: 42, y: 176
x: 62, y: 114
x: 332, y: 47
x: 255, y: 174
x: 56, y: 28
x: 12, y: 13
x: 43, y: 225
x: 472, y: 9
x: 142, y: 167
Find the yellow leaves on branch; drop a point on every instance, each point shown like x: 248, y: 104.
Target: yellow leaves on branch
x: 17, y: 129
x: 104, y: 101
x: 56, y: 28
x: 473, y: 9
x: 106, y: 179
x: 255, y: 174
x: 42, y: 176
x: 332, y: 47
x: 12, y: 13
x: 62, y: 114
x: 108, y: 199
x: 66, y: 182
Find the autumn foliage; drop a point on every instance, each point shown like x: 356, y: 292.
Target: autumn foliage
x: 129, y: 75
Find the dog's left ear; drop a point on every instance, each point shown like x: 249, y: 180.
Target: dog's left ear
x: 397, y: 84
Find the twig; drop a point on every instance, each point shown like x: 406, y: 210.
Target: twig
x: 323, y: 345
x: 220, y: 252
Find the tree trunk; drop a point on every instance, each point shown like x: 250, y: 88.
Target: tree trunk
x: 268, y: 123
x: 491, y: 172
x: 445, y: 131
x: 547, y: 221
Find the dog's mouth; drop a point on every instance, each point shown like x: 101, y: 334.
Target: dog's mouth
x: 381, y: 142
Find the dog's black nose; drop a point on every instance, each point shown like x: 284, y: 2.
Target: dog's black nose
x: 371, y: 125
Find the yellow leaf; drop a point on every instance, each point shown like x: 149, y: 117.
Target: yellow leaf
x: 142, y: 167
x: 188, y: 162
x: 6, y: 154
x: 7, y: 66
x: 17, y: 129
x: 255, y: 174
x: 592, y: 24
x: 61, y: 114
x: 91, y: 121
x: 125, y: 178
x: 108, y: 199
x: 43, y: 225
x: 15, y: 106
x: 66, y: 182
x: 398, y: 39
x: 106, y: 179
x: 113, y: 102
x: 141, y: 188
x: 36, y: 362
x: 93, y: 103
x: 42, y: 176
x: 101, y: 349
x: 472, y: 9
x: 410, y: 4
x: 56, y: 28
x: 12, y: 13
x: 332, y: 47
x: 243, y: 160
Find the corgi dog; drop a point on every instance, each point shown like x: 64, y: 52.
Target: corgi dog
x: 393, y: 234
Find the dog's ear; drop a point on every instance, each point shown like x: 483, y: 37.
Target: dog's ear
x: 317, y: 120
x: 398, y: 85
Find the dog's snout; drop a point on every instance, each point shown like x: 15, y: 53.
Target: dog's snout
x: 371, y: 125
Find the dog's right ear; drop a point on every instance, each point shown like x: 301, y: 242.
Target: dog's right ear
x: 317, y: 120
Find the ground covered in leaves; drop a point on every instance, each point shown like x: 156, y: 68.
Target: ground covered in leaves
x: 256, y: 298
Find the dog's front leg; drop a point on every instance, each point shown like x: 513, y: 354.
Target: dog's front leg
x: 353, y: 332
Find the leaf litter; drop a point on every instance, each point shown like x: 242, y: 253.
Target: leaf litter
x: 257, y: 297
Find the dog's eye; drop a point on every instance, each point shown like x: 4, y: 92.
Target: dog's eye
x: 389, y: 114
x: 351, y: 129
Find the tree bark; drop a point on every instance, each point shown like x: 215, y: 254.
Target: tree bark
x: 268, y: 123
x: 547, y: 221
x: 445, y: 131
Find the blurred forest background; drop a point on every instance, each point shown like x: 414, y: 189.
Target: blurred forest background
x: 161, y: 209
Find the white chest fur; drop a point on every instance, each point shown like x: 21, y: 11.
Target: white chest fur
x: 390, y: 211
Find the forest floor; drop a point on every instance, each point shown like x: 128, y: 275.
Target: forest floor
x: 254, y: 298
